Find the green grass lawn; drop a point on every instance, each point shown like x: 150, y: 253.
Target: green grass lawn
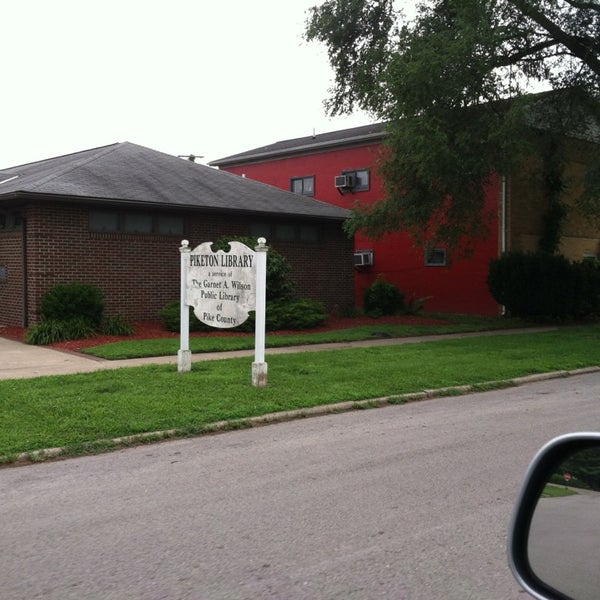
x: 72, y: 410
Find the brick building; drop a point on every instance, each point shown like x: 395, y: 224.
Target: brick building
x: 115, y: 216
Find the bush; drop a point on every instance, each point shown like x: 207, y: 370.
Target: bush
x: 383, y: 298
x: 295, y: 315
x: 52, y: 331
x: 116, y: 325
x: 66, y: 302
x: 586, y: 288
x: 545, y: 286
x: 170, y: 317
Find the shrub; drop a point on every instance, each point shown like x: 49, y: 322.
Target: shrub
x: 170, y: 317
x: 544, y: 286
x: 116, y: 325
x: 52, y: 331
x: 586, y: 288
x: 383, y: 298
x: 294, y: 315
x: 65, y: 302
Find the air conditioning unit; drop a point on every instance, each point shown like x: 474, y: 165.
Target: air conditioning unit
x: 363, y: 258
x: 344, y: 181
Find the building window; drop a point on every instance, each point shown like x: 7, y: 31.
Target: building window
x: 435, y: 257
x: 260, y: 230
x: 308, y: 233
x: 170, y: 225
x: 113, y: 221
x: 285, y: 232
x: 10, y: 221
x: 138, y: 223
x: 303, y: 185
x: 104, y: 220
x: 361, y: 179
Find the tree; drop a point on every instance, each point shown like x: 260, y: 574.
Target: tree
x: 453, y: 85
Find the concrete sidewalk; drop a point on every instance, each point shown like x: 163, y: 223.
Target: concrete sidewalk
x: 23, y: 361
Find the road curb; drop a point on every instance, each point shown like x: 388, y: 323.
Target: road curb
x: 281, y: 417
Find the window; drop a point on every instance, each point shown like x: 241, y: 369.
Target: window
x: 104, y: 220
x: 308, y: 233
x: 170, y: 225
x: 260, y: 230
x: 138, y: 223
x: 114, y: 221
x: 285, y: 232
x: 10, y: 220
x: 361, y: 179
x: 303, y: 185
x: 435, y: 257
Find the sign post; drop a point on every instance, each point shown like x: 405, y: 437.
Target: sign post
x: 184, y: 355
x: 223, y: 287
x: 259, y: 366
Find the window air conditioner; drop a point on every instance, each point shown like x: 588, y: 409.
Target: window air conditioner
x: 363, y: 258
x: 344, y: 181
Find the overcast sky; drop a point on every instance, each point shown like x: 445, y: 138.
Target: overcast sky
x: 207, y: 77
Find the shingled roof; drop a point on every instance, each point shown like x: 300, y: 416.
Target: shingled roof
x: 354, y: 136
x: 132, y: 174
x: 561, y: 110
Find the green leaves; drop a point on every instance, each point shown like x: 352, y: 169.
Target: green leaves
x: 356, y: 34
x: 451, y: 85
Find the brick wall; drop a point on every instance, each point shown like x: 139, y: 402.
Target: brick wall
x: 139, y: 273
x: 324, y: 273
x: 11, y: 278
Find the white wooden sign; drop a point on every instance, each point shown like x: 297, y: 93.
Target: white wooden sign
x: 221, y: 286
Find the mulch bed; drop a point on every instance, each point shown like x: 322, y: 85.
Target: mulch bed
x: 145, y: 330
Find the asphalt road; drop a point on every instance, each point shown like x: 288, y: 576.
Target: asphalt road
x: 407, y: 502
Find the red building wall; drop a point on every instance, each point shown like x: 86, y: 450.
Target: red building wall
x: 459, y: 287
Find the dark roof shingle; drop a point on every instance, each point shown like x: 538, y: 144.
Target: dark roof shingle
x: 309, y: 144
x: 126, y: 172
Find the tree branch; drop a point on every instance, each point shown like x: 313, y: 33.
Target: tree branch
x: 582, y: 48
x: 526, y: 52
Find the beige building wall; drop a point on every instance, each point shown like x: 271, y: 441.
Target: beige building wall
x: 527, y: 205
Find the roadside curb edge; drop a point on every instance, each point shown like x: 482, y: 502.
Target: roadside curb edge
x: 280, y: 417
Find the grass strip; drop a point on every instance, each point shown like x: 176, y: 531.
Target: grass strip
x: 79, y: 409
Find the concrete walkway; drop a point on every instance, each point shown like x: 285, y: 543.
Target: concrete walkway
x: 22, y: 361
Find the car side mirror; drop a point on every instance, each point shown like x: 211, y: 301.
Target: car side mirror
x: 554, y: 536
